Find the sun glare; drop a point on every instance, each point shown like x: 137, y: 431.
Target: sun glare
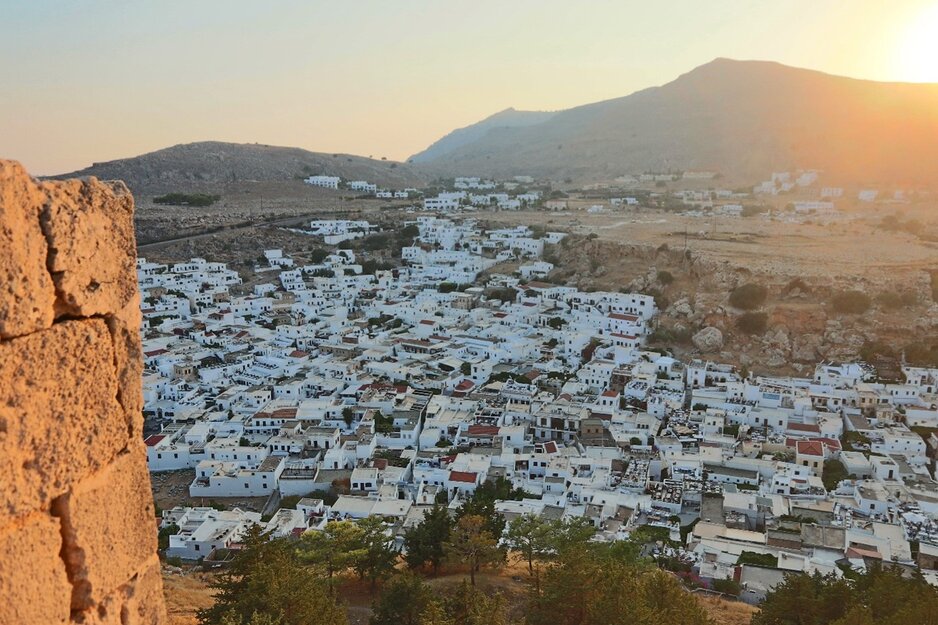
x: 918, y: 49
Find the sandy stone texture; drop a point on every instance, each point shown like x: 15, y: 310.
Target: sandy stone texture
x: 26, y: 291
x: 92, y: 252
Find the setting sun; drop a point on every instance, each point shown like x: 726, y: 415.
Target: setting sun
x: 918, y: 50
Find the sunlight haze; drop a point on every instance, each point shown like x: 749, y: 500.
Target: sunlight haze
x: 101, y: 80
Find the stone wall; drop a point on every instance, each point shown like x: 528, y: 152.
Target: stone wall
x: 77, y: 523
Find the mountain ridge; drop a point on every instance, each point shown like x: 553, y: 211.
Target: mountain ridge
x: 744, y: 119
x: 210, y: 163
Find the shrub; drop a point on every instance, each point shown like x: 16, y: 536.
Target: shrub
x: 186, y: 199
x: 375, y: 242
x: 665, y: 277
x: 752, y: 322
x: 727, y: 586
x: 758, y: 559
x: 872, y: 349
x: 506, y: 294
x: 317, y: 255
x: 748, y: 296
x: 796, y: 283
x: 834, y: 471
x: 921, y: 353
x: 851, y: 302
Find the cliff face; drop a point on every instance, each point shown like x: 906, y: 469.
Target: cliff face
x: 77, y: 524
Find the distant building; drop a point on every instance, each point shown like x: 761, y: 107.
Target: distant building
x: 326, y: 182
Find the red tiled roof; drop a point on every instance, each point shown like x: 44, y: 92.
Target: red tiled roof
x: 154, y: 439
x: 623, y: 317
x: 482, y: 430
x: 804, y: 427
x: 463, y: 476
x: 810, y: 448
x: 610, y: 394
x: 857, y: 552
x: 550, y: 447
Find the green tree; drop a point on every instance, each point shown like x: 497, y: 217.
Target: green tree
x: 336, y: 548
x: 424, y: 543
x: 471, y: 543
x: 377, y: 554
x: 529, y: 535
x: 232, y: 618
x: 403, y: 601
x: 267, y: 584
x: 589, y: 587
x: 568, y: 535
x: 466, y: 605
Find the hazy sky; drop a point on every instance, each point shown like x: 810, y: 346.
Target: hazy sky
x: 93, y: 80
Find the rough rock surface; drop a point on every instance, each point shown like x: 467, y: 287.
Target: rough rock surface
x: 77, y: 524
x: 26, y: 291
x: 32, y: 573
x: 89, y: 227
x: 59, y: 411
x: 709, y: 339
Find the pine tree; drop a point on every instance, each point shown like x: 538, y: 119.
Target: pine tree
x: 424, y: 543
x: 471, y: 543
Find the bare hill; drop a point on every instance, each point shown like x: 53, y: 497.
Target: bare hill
x: 509, y: 118
x: 210, y: 164
x: 744, y: 119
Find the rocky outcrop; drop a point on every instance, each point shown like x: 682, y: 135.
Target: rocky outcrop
x: 708, y: 340
x: 77, y: 524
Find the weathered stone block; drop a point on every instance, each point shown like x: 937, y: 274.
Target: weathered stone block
x: 138, y: 602
x: 26, y: 291
x: 110, y: 528
x: 92, y: 252
x: 59, y: 414
x: 34, y: 586
x: 128, y: 355
x: 144, y: 604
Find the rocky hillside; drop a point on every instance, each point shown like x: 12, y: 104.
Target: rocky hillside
x: 743, y: 119
x: 211, y: 164
x: 509, y: 118
x: 795, y: 325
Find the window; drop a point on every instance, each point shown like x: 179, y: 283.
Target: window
x: 246, y: 485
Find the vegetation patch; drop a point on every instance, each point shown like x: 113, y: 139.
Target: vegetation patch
x: 748, y: 296
x: 851, y: 302
x: 187, y: 199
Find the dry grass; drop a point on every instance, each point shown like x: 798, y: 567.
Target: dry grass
x: 186, y: 593
x: 725, y: 612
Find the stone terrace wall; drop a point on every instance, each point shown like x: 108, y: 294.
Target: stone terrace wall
x: 77, y: 523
